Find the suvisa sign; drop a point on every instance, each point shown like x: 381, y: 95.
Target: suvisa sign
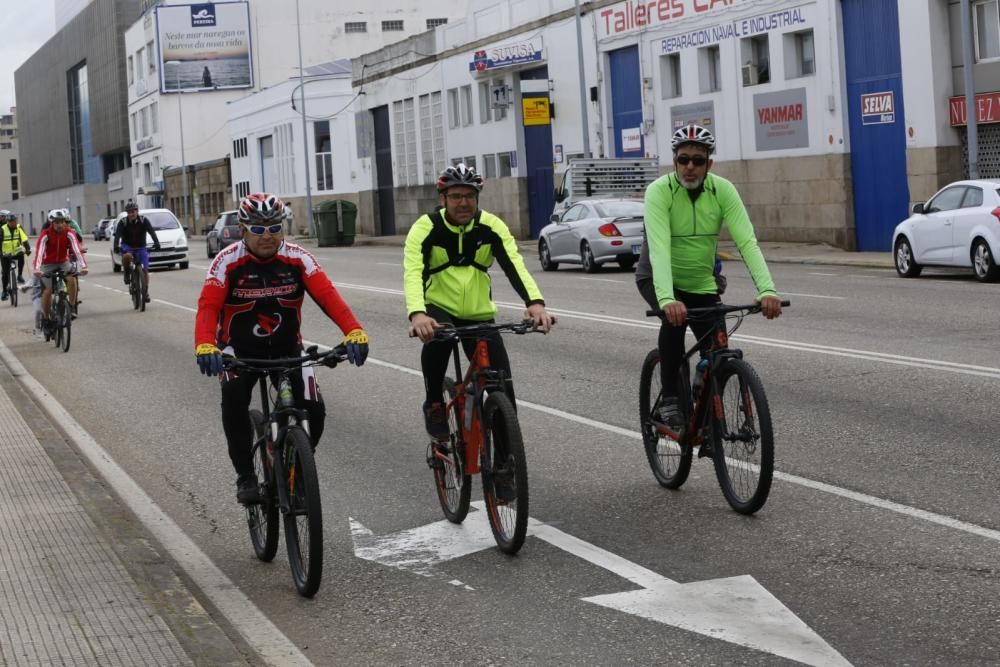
x: 630, y: 15
x: 506, y: 55
x: 987, y: 108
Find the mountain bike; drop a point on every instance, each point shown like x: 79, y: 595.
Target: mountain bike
x: 282, y: 453
x: 138, y: 286
x: 484, y: 438
x: 725, y: 414
x: 12, y: 275
x: 61, y: 323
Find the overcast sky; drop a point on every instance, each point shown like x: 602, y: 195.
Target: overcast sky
x: 26, y: 26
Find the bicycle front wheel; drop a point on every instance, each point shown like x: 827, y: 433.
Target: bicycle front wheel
x: 454, y: 488
x: 262, y: 518
x: 742, y: 438
x: 143, y: 290
x: 57, y: 325
x: 669, y: 460
x: 13, y: 289
x: 65, y: 322
x: 304, y: 520
x: 504, y: 473
x: 133, y: 289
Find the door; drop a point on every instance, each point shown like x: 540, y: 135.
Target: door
x: 564, y: 243
x: 932, y: 242
x: 386, y: 215
x: 626, y: 102
x: 964, y: 221
x: 267, y: 175
x: 538, y: 160
x: 875, y: 110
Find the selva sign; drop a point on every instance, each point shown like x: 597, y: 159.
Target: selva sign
x: 878, y: 108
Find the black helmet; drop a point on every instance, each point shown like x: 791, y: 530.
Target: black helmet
x: 130, y: 206
x: 459, y: 175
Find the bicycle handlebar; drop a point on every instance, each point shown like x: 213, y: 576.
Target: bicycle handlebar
x: 312, y: 357
x: 450, y: 332
x: 717, y: 310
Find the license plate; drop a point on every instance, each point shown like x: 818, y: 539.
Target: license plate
x: 637, y: 249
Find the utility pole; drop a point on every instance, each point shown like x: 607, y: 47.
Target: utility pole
x: 583, y: 83
x: 305, y: 137
x: 968, y: 82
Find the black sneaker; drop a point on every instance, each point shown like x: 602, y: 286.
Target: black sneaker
x: 504, y: 488
x: 147, y: 298
x: 20, y: 280
x: 670, y: 413
x: 247, y: 492
x: 436, y: 420
x: 4, y: 297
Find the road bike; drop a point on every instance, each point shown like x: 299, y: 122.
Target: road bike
x: 725, y: 414
x: 60, y: 327
x: 484, y: 438
x: 12, y: 275
x: 282, y: 453
x: 138, y: 286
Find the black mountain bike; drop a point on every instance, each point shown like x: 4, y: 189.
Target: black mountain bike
x: 282, y: 453
x: 726, y: 415
x: 12, y: 276
x: 138, y: 286
x: 61, y: 323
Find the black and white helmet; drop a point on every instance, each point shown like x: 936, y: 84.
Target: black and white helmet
x: 58, y: 214
x: 693, y: 134
x: 459, y: 175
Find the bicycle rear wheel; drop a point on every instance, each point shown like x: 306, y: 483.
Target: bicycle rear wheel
x: 742, y: 438
x: 504, y: 473
x: 65, y: 322
x: 454, y: 487
x: 304, y: 520
x: 12, y: 281
x: 669, y: 460
x: 262, y: 519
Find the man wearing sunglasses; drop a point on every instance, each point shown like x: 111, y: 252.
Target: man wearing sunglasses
x: 685, y: 211
x: 251, y: 306
x: 130, y: 240
x: 445, y: 262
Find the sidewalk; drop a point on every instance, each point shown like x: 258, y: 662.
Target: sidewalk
x: 69, y: 591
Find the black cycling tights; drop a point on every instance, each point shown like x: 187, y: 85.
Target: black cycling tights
x: 671, y: 342
x: 435, y: 356
x: 237, y: 391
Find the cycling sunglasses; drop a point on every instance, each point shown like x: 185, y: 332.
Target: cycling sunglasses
x: 698, y: 160
x: 258, y: 230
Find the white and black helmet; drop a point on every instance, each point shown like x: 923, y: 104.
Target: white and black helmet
x: 693, y: 134
x: 58, y: 214
x: 459, y: 175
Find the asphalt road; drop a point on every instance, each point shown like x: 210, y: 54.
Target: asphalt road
x: 879, y: 543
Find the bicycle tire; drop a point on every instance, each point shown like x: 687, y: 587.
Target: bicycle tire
x: 133, y: 289
x: 454, y: 486
x: 669, y: 459
x: 143, y: 290
x: 57, y: 330
x: 262, y: 519
x: 12, y: 281
x: 65, y: 322
x: 305, y: 553
x: 738, y: 444
x: 503, y: 444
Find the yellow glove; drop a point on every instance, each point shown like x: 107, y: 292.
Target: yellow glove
x: 356, y: 342
x: 209, y: 359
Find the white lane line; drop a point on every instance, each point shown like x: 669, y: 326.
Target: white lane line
x: 388, y: 263
x: 262, y: 636
x: 812, y: 273
x: 603, y: 280
x: 813, y: 296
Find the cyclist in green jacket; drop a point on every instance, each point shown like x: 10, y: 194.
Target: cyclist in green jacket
x: 445, y: 262
x: 684, y: 215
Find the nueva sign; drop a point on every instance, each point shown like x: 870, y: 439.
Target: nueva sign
x: 634, y: 14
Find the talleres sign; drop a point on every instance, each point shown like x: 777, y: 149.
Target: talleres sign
x: 204, y: 46
x: 637, y: 14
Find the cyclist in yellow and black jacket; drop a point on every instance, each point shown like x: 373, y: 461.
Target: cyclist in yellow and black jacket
x: 14, y: 247
x: 445, y: 262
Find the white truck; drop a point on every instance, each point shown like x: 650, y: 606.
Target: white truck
x: 604, y: 177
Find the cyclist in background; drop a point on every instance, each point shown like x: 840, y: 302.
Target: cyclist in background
x: 251, y: 306
x: 130, y: 240
x: 685, y: 211
x: 445, y: 262
x: 52, y: 251
x: 14, y: 247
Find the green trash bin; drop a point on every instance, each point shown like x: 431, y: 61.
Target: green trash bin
x: 335, y: 222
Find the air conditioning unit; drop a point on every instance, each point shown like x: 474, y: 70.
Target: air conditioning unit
x: 750, y: 75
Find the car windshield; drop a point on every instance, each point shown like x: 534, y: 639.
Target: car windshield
x: 230, y: 220
x: 162, y: 220
x: 619, y: 209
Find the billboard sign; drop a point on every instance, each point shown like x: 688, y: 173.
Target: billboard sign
x: 780, y: 120
x: 698, y: 113
x: 987, y: 109
x: 878, y: 108
x: 506, y: 55
x: 204, y: 46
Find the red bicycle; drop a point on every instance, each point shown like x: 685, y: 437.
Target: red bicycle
x: 484, y: 438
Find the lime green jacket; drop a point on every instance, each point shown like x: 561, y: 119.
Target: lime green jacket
x: 12, y: 239
x: 683, y: 236
x: 446, y: 265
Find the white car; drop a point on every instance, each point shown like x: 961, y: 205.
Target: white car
x: 593, y: 232
x: 171, y: 235
x: 959, y: 226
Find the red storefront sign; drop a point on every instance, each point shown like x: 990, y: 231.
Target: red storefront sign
x: 987, y: 108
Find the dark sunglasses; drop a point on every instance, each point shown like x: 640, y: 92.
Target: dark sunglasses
x: 698, y: 160
x: 257, y: 230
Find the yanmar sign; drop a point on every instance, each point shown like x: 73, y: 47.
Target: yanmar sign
x: 780, y: 120
x: 630, y: 15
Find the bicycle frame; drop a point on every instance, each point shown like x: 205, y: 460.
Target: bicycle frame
x: 479, y: 378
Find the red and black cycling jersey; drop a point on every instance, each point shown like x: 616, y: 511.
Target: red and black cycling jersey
x: 255, y: 305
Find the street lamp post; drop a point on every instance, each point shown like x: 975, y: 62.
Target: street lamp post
x: 180, y: 116
x: 305, y: 138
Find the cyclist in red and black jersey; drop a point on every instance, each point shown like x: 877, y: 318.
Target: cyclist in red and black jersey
x: 251, y: 306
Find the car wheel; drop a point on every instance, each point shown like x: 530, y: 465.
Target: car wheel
x: 983, y: 262
x: 545, y: 258
x: 116, y: 268
x: 208, y: 250
x: 906, y: 266
x: 590, y: 265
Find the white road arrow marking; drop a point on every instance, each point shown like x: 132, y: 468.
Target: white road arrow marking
x: 734, y: 609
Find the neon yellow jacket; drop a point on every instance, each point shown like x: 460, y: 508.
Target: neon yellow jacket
x: 12, y: 239
x: 446, y: 265
x: 683, y: 235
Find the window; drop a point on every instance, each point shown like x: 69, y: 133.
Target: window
x: 356, y: 26
x: 147, y: 179
x: 135, y: 126
x: 324, y: 157
x: 499, y: 113
x: 466, y: 98
x: 156, y: 168
x: 453, y: 108
x: 13, y: 166
x: 144, y: 121
x: 405, y: 141
x: 433, y: 23
x: 153, y: 120
x: 948, y: 200
x: 392, y: 26
x: 149, y: 57
x: 503, y: 162
x: 470, y: 161
x: 485, y: 102
x: 756, y: 59
x: 490, y: 166
x: 800, y: 54
x: 670, y: 75
x: 431, y: 135
x: 987, y: 30
x: 242, y: 189
x: 131, y: 72
x: 709, y: 70
x: 139, y: 72
x: 973, y: 198
x: 240, y: 148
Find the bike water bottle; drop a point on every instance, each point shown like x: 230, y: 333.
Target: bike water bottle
x: 699, y: 371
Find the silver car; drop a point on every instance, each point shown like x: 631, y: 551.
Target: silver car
x: 593, y: 232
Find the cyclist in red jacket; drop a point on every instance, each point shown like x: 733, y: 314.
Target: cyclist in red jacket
x: 52, y: 251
